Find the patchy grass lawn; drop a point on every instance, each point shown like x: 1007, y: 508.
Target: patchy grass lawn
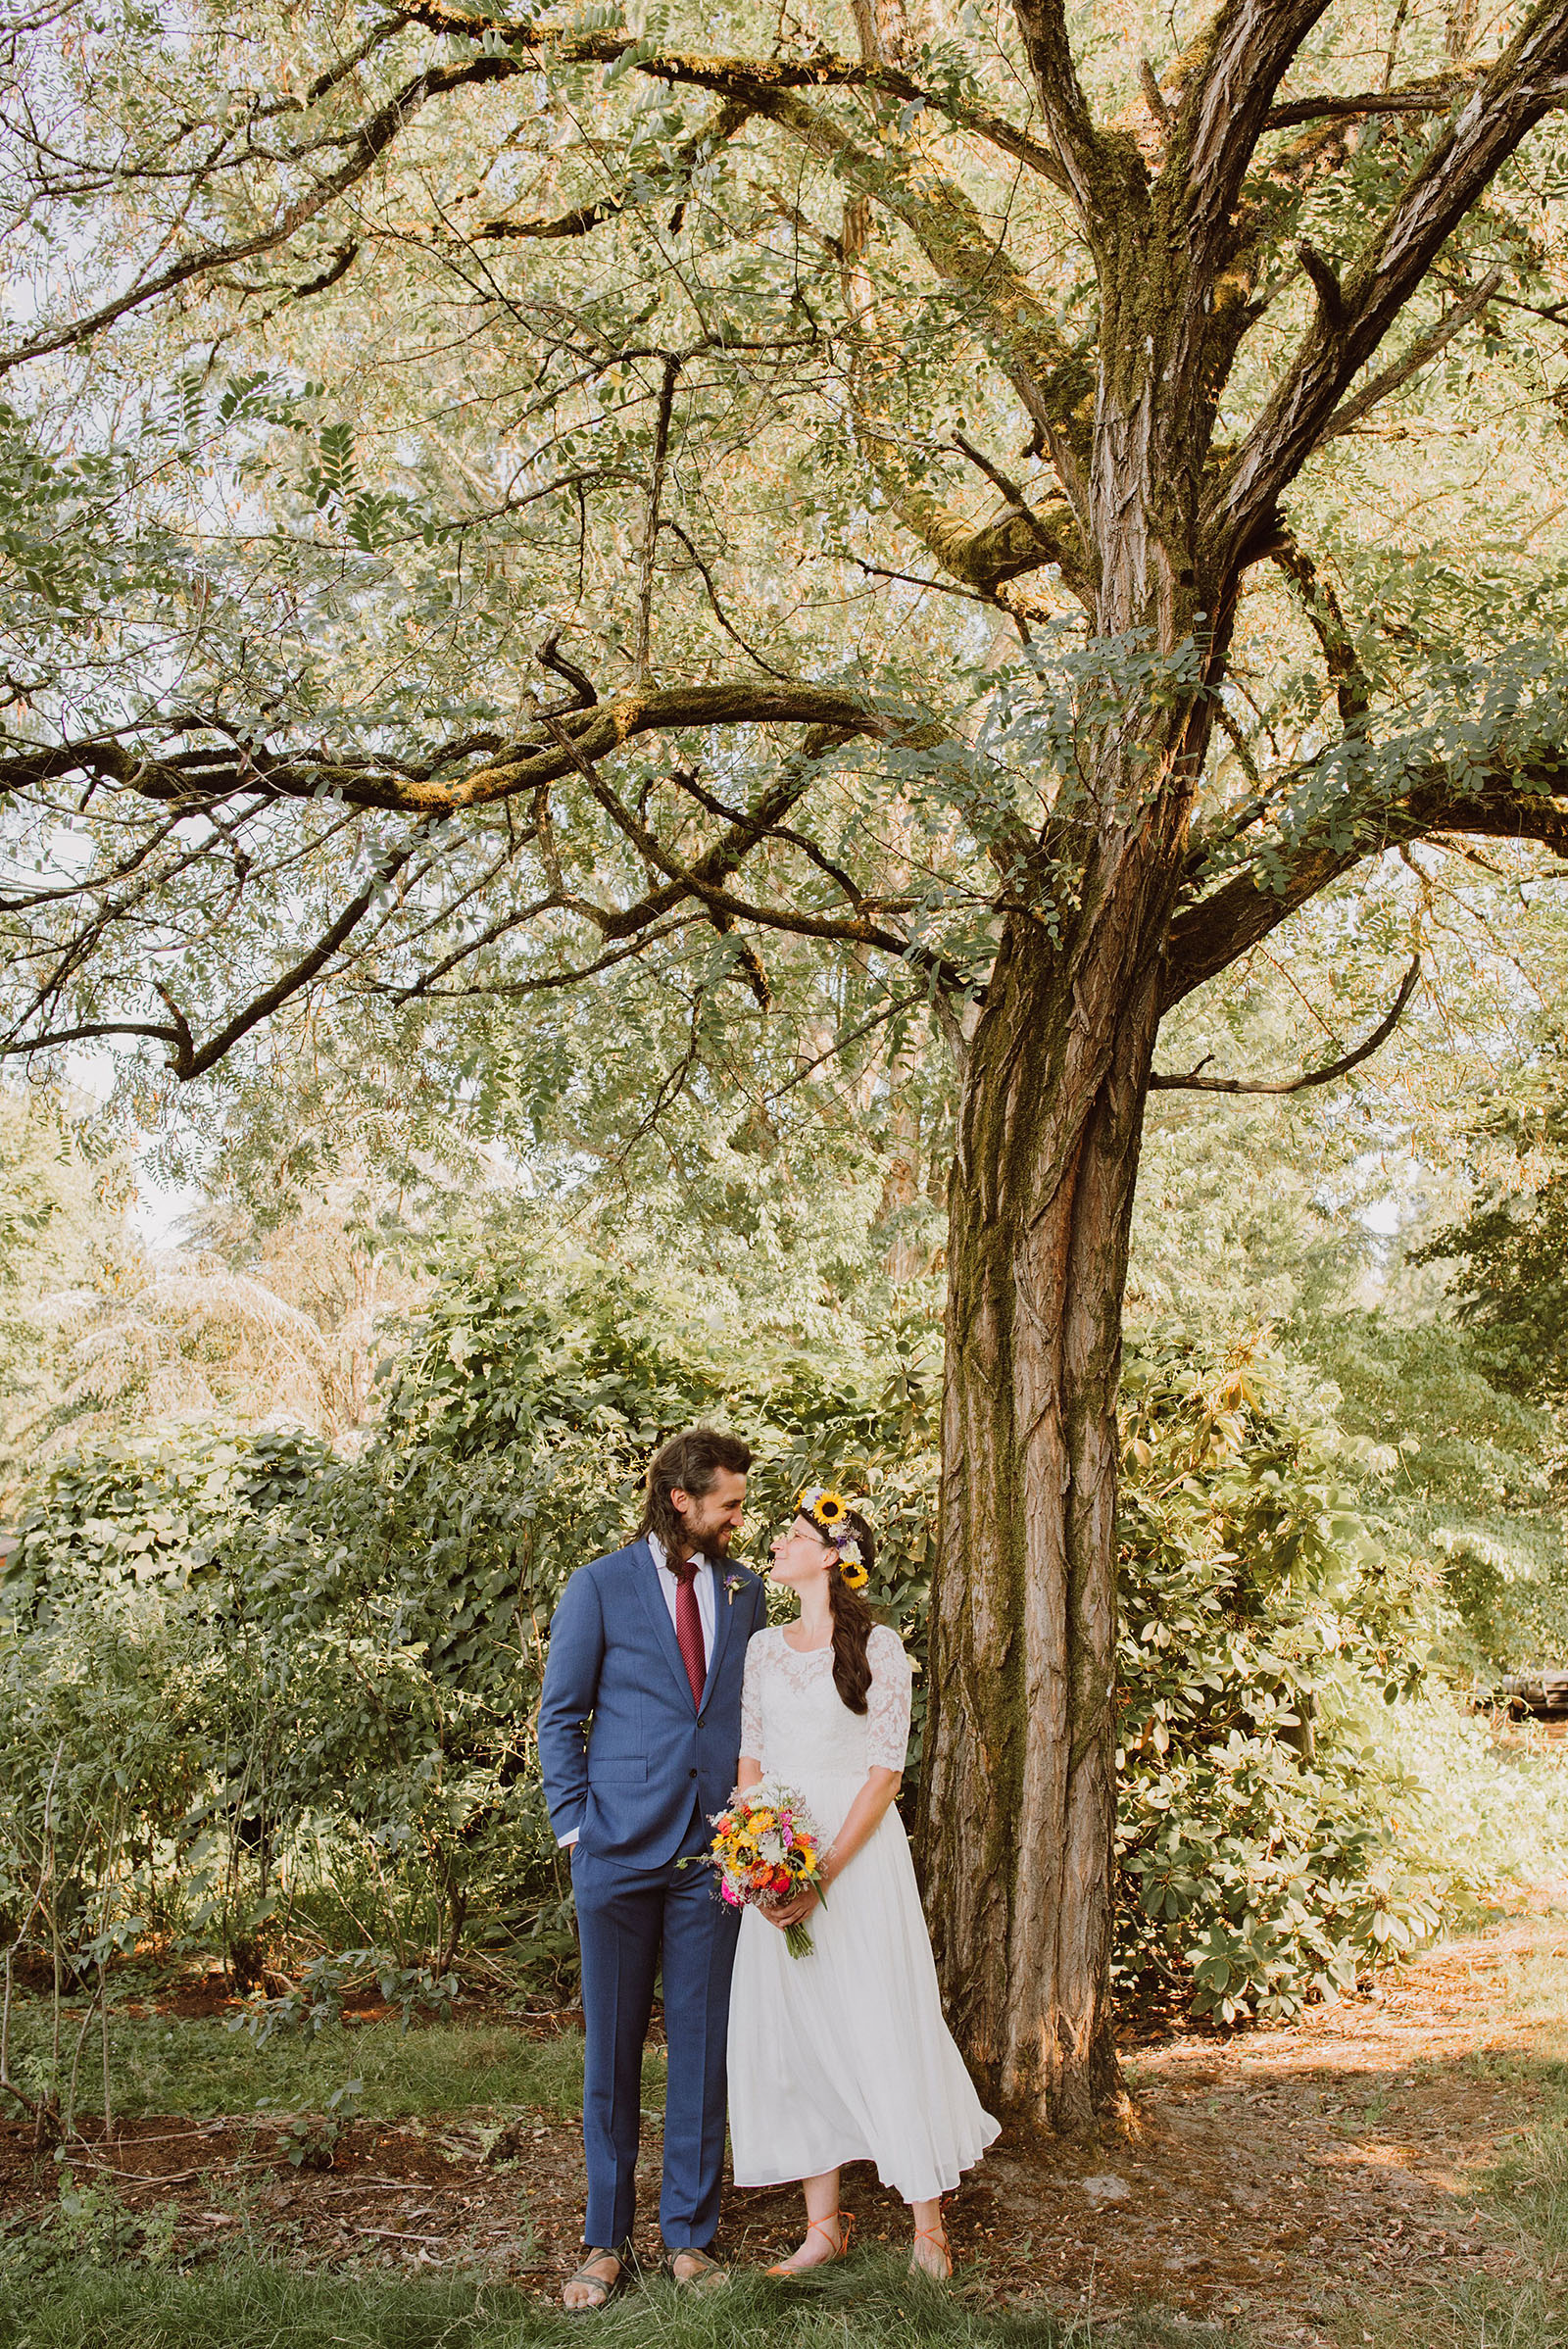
x: 199, y: 2069
x: 876, y: 2305
x: 1388, y: 2170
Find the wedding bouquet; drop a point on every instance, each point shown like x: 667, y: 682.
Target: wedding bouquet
x: 765, y: 1850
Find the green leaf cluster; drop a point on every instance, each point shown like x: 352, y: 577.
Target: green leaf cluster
x: 351, y: 1649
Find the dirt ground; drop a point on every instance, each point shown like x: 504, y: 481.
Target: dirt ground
x: 1269, y: 2177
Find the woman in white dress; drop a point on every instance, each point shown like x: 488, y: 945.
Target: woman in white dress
x: 842, y: 2056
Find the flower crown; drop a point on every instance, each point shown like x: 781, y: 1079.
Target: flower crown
x: 829, y: 1512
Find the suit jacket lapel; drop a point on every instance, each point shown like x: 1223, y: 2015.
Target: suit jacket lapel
x: 723, y: 1608
x: 651, y: 1593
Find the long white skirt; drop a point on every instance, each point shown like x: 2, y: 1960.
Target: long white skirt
x: 843, y: 2056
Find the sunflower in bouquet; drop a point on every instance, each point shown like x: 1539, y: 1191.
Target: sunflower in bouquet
x: 766, y: 1850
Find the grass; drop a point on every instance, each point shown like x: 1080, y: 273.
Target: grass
x: 1525, y: 2197
x: 1530, y: 2311
x: 872, y: 2303
x: 96, y: 2283
x: 200, y: 2070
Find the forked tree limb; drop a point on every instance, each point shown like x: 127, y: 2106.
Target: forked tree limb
x: 188, y: 1059
x: 1422, y: 352
x: 705, y: 880
x: 364, y: 150
x: 1206, y: 938
x: 1228, y: 90
x: 724, y: 126
x: 752, y: 84
x: 1195, y: 1082
x: 1525, y: 84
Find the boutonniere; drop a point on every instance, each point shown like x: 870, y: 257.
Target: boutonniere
x: 732, y: 1583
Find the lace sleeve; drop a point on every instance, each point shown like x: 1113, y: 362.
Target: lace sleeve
x: 887, y: 1711
x: 752, y: 1700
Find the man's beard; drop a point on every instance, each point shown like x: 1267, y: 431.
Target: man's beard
x: 709, y: 1540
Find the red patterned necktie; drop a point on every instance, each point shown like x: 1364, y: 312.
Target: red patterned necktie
x: 689, y: 1626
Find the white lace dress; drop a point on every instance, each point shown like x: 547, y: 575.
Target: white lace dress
x: 843, y: 2056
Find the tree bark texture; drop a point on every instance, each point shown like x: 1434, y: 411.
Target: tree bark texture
x: 1019, y: 1785
x: 1020, y: 1790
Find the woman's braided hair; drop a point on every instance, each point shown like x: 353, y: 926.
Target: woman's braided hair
x: 852, y: 1620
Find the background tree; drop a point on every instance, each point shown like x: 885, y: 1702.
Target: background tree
x: 371, y: 368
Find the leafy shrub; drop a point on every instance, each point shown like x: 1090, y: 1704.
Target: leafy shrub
x: 1258, y: 1855
x: 342, y: 1658
x: 154, y: 1508
x: 352, y: 1648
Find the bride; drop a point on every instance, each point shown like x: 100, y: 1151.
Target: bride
x: 842, y: 2056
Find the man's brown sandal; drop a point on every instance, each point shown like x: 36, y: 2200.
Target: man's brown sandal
x: 604, y: 2287
x: 706, y: 2277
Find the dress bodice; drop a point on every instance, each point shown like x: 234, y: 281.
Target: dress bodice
x: 797, y: 1726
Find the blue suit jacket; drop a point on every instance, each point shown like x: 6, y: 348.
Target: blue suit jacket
x: 622, y: 1749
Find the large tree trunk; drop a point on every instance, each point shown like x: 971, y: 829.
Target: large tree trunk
x: 1019, y: 1789
x: 1019, y: 1783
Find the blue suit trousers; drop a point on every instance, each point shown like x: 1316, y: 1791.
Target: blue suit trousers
x: 631, y: 1923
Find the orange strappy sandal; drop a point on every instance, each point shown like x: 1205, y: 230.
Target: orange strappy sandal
x: 846, y: 2220
x: 939, y: 2236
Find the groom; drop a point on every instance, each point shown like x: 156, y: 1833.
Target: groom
x: 639, y: 1740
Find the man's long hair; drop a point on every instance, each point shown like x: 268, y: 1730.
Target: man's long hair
x: 688, y: 1463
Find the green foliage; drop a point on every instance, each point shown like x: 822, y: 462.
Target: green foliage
x: 1478, y: 1488
x: 1507, y: 1253
x: 347, y: 1650
x: 204, y: 2069
x: 517, y: 1433
x: 1480, y: 1812
x: 63, y: 1191
x: 160, y: 1508
x: 341, y: 1657
x: 1260, y: 1610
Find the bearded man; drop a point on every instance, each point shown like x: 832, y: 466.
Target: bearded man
x: 639, y: 1741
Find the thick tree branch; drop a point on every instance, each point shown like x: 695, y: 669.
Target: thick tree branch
x: 949, y: 230
x: 1526, y: 82
x: 513, y: 768
x: 1417, y: 98
x: 1069, y: 126
x: 1195, y: 1082
x: 1425, y: 348
x: 1529, y: 802
x: 1228, y: 88
x: 190, y: 1062
x: 747, y: 77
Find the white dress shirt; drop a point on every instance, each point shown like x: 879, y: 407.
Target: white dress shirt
x: 703, y: 1583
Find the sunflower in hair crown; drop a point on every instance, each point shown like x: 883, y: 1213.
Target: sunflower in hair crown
x: 830, y: 1511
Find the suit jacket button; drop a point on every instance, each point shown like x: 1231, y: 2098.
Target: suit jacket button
x: 691, y: 1773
